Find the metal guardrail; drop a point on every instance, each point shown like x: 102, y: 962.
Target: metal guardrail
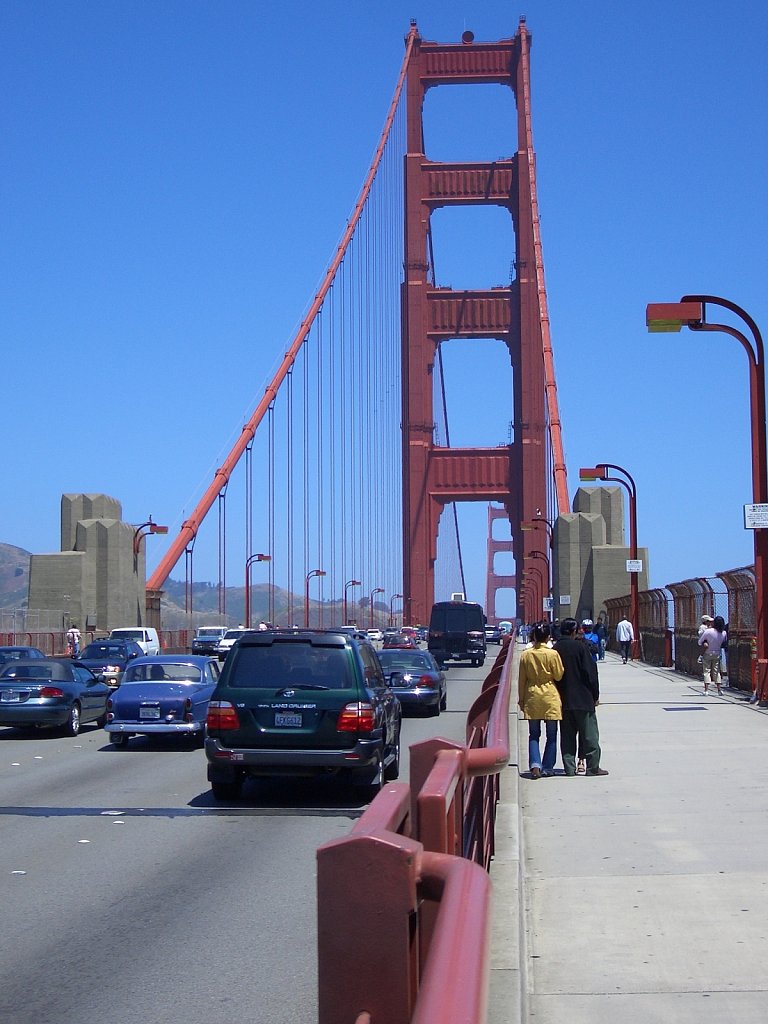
x: 54, y: 642
x: 411, y: 874
x: 670, y: 618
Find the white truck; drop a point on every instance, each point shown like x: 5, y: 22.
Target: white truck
x: 145, y: 636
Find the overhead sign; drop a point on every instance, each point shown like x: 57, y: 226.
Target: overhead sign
x: 756, y: 517
x: 634, y: 565
x: 565, y: 599
x: 547, y: 604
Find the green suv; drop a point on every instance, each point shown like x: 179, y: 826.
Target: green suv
x: 302, y: 703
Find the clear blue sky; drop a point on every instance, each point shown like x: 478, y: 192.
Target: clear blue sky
x: 174, y: 177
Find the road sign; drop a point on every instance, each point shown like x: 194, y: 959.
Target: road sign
x: 565, y: 599
x: 634, y: 565
x: 755, y: 517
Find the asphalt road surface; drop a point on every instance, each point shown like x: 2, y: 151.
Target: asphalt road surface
x: 128, y: 894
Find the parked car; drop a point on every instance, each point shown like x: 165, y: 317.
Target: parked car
x: 302, y: 703
x: 206, y: 639
x: 15, y: 653
x: 145, y: 636
x: 493, y: 634
x: 399, y: 640
x: 227, y: 642
x: 107, y: 659
x: 166, y: 694
x: 415, y: 679
x: 51, y: 692
x: 375, y: 635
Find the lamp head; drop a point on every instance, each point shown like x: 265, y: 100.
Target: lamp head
x: 669, y: 317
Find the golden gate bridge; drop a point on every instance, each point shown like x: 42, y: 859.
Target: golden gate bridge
x: 346, y: 463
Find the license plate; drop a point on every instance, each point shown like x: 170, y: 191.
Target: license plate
x: 9, y: 697
x: 291, y: 721
x: 149, y: 712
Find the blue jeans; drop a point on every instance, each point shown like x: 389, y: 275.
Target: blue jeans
x: 550, y: 747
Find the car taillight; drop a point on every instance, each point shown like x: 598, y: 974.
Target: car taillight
x: 426, y: 681
x: 356, y: 717
x: 109, y: 704
x: 51, y: 691
x: 222, y: 715
x: 188, y: 716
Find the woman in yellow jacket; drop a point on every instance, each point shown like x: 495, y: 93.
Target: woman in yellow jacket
x: 539, y: 700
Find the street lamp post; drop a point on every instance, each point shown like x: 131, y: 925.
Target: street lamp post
x: 144, y: 531
x: 307, y: 578
x: 376, y: 590
x: 391, y: 608
x: 536, y: 523
x: 260, y: 557
x: 691, y: 312
x: 539, y: 586
x: 347, y: 585
x: 601, y: 472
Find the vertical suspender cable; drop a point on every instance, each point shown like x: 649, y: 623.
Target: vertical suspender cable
x: 190, y: 526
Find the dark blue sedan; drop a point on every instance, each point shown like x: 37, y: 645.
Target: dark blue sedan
x: 162, y: 694
x: 17, y: 652
x: 51, y: 692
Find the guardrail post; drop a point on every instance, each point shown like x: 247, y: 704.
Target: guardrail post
x: 367, y: 934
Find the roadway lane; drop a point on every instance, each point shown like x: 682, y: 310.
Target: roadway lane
x: 129, y: 894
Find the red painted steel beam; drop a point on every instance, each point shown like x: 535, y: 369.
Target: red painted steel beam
x: 517, y: 315
x: 222, y: 475
x: 454, y: 983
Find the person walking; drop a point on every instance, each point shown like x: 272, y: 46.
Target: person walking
x: 602, y: 635
x: 73, y: 640
x: 590, y: 638
x: 625, y: 636
x: 580, y: 693
x: 539, y: 699
x: 711, y: 642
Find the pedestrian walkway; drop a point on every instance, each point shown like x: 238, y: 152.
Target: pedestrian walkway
x: 641, y: 897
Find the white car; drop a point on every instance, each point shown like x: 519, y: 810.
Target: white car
x: 227, y: 642
x: 375, y: 634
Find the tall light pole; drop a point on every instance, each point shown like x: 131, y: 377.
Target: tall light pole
x: 391, y: 608
x: 347, y: 585
x: 691, y: 311
x: 602, y: 472
x: 376, y: 590
x: 248, y: 563
x: 539, y: 586
x: 307, y: 578
x: 144, y: 531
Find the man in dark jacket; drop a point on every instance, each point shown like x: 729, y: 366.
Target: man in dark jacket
x: 580, y: 692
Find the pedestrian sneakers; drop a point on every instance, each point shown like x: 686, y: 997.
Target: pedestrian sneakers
x: 581, y: 767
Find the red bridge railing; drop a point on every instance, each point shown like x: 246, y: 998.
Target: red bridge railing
x: 404, y: 900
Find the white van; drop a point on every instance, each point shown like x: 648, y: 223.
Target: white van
x: 145, y: 637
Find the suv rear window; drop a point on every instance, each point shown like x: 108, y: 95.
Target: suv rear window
x: 279, y: 665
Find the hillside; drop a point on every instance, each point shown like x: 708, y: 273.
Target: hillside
x: 14, y: 576
x: 14, y: 588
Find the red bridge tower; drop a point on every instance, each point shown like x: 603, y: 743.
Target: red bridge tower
x: 515, y: 475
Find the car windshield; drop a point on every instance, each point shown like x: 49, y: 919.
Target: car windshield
x: 233, y: 634
x: 59, y: 672
x: 130, y: 634
x: 398, y: 661
x: 298, y: 665
x: 104, y: 651
x: 168, y: 672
